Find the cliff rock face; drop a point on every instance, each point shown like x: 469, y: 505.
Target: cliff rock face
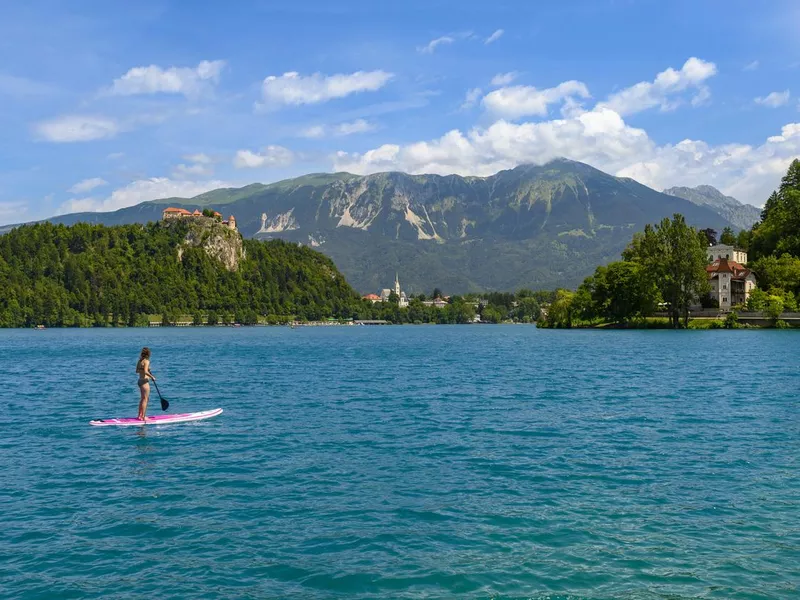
x: 217, y: 240
x: 534, y: 226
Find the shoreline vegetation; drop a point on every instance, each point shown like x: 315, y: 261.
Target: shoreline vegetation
x: 200, y: 273
x: 662, y: 280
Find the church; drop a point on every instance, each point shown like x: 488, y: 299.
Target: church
x: 386, y: 292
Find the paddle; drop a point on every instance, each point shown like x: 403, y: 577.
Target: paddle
x: 164, y: 403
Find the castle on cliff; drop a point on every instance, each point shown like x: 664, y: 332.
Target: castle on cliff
x: 181, y: 213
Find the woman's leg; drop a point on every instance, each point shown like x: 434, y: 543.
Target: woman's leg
x: 144, y: 391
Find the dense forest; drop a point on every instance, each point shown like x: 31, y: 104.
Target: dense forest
x: 129, y: 275
x: 92, y: 275
x: 773, y: 245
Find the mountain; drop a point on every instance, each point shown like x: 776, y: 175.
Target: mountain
x: 539, y: 227
x: 742, y: 216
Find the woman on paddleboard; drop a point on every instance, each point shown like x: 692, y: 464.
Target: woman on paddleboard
x: 143, y: 371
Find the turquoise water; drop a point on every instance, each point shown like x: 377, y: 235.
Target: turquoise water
x: 403, y: 462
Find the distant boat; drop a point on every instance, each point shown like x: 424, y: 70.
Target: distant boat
x: 40, y: 327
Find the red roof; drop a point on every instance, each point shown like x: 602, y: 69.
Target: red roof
x: 216, y: 214
x: 196, y: 213
x: 177, y: 211
x: 724, y: 265
x: 371, y: 297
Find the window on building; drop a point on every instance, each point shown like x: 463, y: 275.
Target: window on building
x: 724, y: 299
x: 725, y: 286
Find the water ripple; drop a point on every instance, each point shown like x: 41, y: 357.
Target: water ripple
x: 415, y: 462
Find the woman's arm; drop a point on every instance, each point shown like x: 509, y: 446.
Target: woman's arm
x: 147, y: 370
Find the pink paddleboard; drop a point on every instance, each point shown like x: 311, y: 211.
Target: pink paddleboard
x: 159, y: 419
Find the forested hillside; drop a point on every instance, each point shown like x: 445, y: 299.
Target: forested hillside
x: 82, y: 275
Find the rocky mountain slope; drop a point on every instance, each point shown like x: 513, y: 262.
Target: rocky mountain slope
x: 741, y: 215
x: 532, y: 226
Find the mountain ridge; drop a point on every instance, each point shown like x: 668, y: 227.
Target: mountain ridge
x: 536, y: 226
x: 741, y: 215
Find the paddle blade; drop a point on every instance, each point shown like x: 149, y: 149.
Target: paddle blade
x: 164, y: 404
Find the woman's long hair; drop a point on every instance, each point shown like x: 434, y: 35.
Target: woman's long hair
x: 145, y: 354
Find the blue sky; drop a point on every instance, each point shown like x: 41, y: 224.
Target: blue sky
x: 105, y: 104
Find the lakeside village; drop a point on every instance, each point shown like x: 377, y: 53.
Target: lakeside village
x: 730, y: 283
x: 730, y: 286
x: 670, y: 275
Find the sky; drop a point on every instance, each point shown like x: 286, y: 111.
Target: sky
x: 107, y: 104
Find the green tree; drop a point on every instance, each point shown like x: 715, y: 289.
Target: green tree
x: 621, y: 292
x: 709, y: 236
x: 779, y: 230
x: 672, y: 255
x: 728, y: 237
x: 757, y: 301
x: 791, y: 181
x: 559, y: 313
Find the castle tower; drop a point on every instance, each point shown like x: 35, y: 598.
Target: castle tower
x: 232, y: 222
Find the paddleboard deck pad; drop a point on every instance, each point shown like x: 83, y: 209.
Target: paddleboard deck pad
x: 158, y: 419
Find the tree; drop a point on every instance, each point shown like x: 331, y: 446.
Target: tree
x: 710, y: 236
x: 779, y: 230
x: 743, y: 239
x: 769, y: 206
x: 774, y: 272
x: 792, y: 178
x: 672, y: 256
x: 728, y: 237
x: 437, y: 293
x: 621, y: 292
x: 559, y: 313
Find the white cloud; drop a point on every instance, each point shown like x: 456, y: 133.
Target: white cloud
x: 751, y: 66
x: 87, y: 185
x: 667, y: 84
x: 295, y: 89
x: 115, y: 155
x: 502, y: 79
x: 430, y: 47
x: 357, y: 126
x: 174, y: 80
x: 471, y: 98
x: 271, y: 156
x: 599, y: 137
x: 142, y: 190
x: 495, y: 36
x: 201, y: 165
x: 342, y: 129
x: 184, y: 171
x: 77, y: 128
x: 314, y: 132
x: 13, y: 212
x: 519, y: 101
x: 203, y: 159
x: 774, y: 99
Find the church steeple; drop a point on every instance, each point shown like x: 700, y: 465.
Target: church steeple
x: 396, y: 284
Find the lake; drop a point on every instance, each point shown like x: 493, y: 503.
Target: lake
x: 403, y: 462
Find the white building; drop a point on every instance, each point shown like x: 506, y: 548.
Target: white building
x: 731, y: 283
x: 729, y: 252
x: 386, y: 292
